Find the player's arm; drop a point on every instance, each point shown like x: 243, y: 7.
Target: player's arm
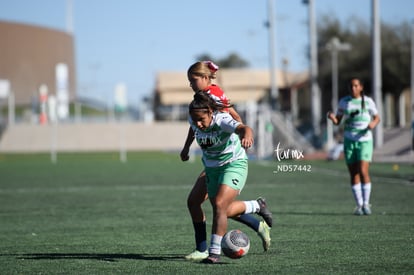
x: 374, y: 122
x: 234, y: 114
x: 336, y: 119
x: 245, y: 134
x: 188, y: 141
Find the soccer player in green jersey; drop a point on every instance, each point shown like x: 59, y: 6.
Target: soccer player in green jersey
x: 200, y: 76
x: 360, y: 117
x: 223, y: 141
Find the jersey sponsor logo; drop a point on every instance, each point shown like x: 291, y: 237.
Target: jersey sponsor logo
x: 208, y: 141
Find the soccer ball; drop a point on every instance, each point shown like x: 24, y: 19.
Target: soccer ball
x: 235, y: 244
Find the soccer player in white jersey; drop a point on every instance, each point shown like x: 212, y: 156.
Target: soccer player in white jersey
x: 223, y: 141
x: 200, y: 76
x: 361, y: 116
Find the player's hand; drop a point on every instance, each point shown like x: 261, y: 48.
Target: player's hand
x: 247, y: 142
x: 331, y: 115
x: 184, y: 154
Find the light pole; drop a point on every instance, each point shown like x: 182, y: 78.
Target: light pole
x: 412, y: 87
x: 274, y: 92
x: 335, y: 46
x: 376, y: 71
x: 69, y: 16
x: 313, y: 70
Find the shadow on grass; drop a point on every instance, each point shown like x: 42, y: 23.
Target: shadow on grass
x: 340, y: 214
x: 97, y: 256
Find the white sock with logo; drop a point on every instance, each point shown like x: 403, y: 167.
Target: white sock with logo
x: 251, y: 207
x: 215, y: 244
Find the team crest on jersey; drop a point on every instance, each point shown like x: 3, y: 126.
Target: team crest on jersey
x: 354, y: 113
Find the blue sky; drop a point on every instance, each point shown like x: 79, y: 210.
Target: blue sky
x: 129, y: 41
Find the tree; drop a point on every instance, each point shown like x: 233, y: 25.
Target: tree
x: 395, y: 56
x: 233, y: 60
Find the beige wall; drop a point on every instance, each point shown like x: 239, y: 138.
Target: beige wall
x: 94, y: 137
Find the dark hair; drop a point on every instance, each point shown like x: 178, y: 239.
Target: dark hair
x: 361, y: 82
x: 203, y: 101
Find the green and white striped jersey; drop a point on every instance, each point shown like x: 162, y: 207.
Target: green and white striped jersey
x: 356, y: 120
x: 219, y: 143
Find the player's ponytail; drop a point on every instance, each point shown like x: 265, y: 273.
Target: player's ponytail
x: 362, y: 94
x: 203, y: 101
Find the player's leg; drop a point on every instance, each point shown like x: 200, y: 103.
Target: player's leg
x: 260, y: 227
x: 354, y: 173
x: 224, y: 206
x: 366, y: 187
x: 223, y: 188
x: 223, y: 185
x: 258, y: 206
x: 351, y: 158
x: 196, y: 197
x: 365, y: 157
x: 221, y: 208
x: 220, y: 203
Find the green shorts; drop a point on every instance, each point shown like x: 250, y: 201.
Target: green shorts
x: 358, y: 150
x: 233, y: 174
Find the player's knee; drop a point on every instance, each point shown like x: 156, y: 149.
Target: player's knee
x: 221, y: 205
x: 190, y: 202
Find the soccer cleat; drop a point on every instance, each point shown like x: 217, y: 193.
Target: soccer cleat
x: 264, y: 234
x: 366, y: 209
x: 265, y: 212
x: 211, y: 259
x: 358, y: 211
x: 196, y: 255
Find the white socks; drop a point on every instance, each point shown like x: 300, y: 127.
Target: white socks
x: 357, y: 192
x: 215, y: 244
x: 366, y: 192
x: 251, y: 207
x: 362, y: 193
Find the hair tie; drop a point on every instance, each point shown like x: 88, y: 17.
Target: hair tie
x: 213, y: 67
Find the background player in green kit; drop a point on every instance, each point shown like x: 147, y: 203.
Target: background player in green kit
x: 361, y: 116
x: 223, y: 141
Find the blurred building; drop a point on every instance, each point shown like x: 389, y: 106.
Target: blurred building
x: 29, y: 58
x: 242, y: 87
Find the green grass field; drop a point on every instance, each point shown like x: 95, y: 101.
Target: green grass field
x: 91, y: 214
